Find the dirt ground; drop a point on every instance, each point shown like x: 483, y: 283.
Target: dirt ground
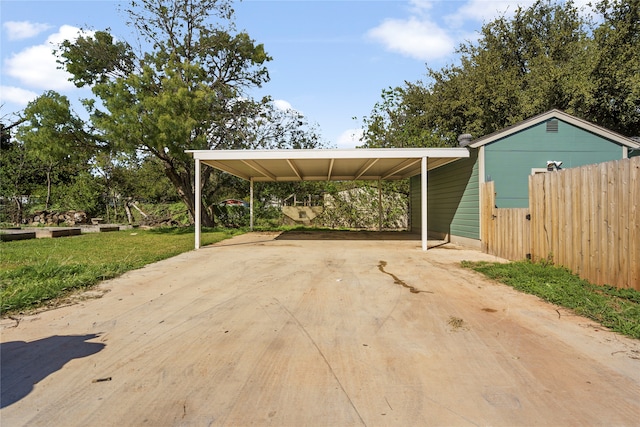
x: 315, y: 329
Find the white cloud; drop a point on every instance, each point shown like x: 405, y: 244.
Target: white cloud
x: 484, y: 11
x: 68, y: 32
x: 17, y: 30
x: 283, y: 105
x: 36, y: 66
x: 16, y: 95
x: 420, y: 7
x: 417, y: 38
x: 350, y: 138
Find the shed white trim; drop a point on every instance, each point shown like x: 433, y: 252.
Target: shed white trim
x: 325, y: 165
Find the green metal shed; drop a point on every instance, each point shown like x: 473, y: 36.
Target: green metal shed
x: 545, y: 142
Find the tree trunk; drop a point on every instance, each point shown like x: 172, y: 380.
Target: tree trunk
x: 46, y: 203
x: 115, y: 208
x: 183, y: 182
x: 128, y: 211
x: 135, y: 206
x: 18, y: 215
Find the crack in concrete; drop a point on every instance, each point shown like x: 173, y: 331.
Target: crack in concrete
x: 326, y: 361
x: 397, y: 280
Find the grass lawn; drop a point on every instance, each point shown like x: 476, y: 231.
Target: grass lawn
x: 33, y: 272
x: 617, y: 309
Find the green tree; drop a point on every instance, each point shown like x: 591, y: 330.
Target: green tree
x: 7, y: 124
x: 81, y: 190
x: 54, y: 137
x: 135, y: 180
x: 274, y: 128
x: 148, y: 182
x: 19, y: 177
x: 615, y: 103
x: 15, y: 180
x: 186, y: 92
x: 401, y: 120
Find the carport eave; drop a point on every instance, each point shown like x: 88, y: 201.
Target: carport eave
x: 328, y: 154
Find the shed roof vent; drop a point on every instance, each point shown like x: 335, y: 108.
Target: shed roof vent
x: 552, y: 126
x: 464, y: 139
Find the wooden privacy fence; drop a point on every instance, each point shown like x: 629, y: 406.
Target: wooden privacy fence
x: 586, y: 219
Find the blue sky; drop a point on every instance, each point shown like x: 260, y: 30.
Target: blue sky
x: 331, y: 58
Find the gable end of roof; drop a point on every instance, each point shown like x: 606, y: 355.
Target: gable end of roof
x: 560, y: 115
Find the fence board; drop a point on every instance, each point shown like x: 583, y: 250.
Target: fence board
x: 539, y: 247
x: 564, y: 203
x: 586, y: 222
x: 634, y: 224
x: 623, y: 224
x: 601, y: 254
x: 594, y: 211
x: 487, y: 197
x: 553, y: 210
x: 546, y: 209
x: 611, y: 271
x: 576, y: 220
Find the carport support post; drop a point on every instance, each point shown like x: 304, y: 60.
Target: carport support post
x: 197, y: 203
x: 423, y: 202
x: 251, y: 204
x: 379, y: 205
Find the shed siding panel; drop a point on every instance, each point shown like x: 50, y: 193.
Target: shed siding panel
x: 509, y: 161
x: 453, y: 199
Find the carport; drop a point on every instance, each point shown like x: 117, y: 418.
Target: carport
x: 375, y: 164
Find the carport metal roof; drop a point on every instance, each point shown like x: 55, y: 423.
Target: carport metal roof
x: 326, y: 165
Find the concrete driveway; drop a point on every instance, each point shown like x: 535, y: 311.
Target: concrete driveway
x: 299, y: 329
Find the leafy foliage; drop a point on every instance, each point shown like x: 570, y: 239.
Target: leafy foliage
x: 19, y: 178
x: 402, y: 119
x: 616, y: 70
x: 83, y: 191
x: 358, y: 205
x: 55, y: 138
x: 232, y: 216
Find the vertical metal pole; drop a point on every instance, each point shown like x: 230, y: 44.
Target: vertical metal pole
x: 251, y: 204
x: 379, y: 205
x: 423, y: 202
x: 481, y: 180
x: 197, y: 203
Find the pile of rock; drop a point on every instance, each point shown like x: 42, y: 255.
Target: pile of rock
x: 45, y: 218
x: 157, y: 221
